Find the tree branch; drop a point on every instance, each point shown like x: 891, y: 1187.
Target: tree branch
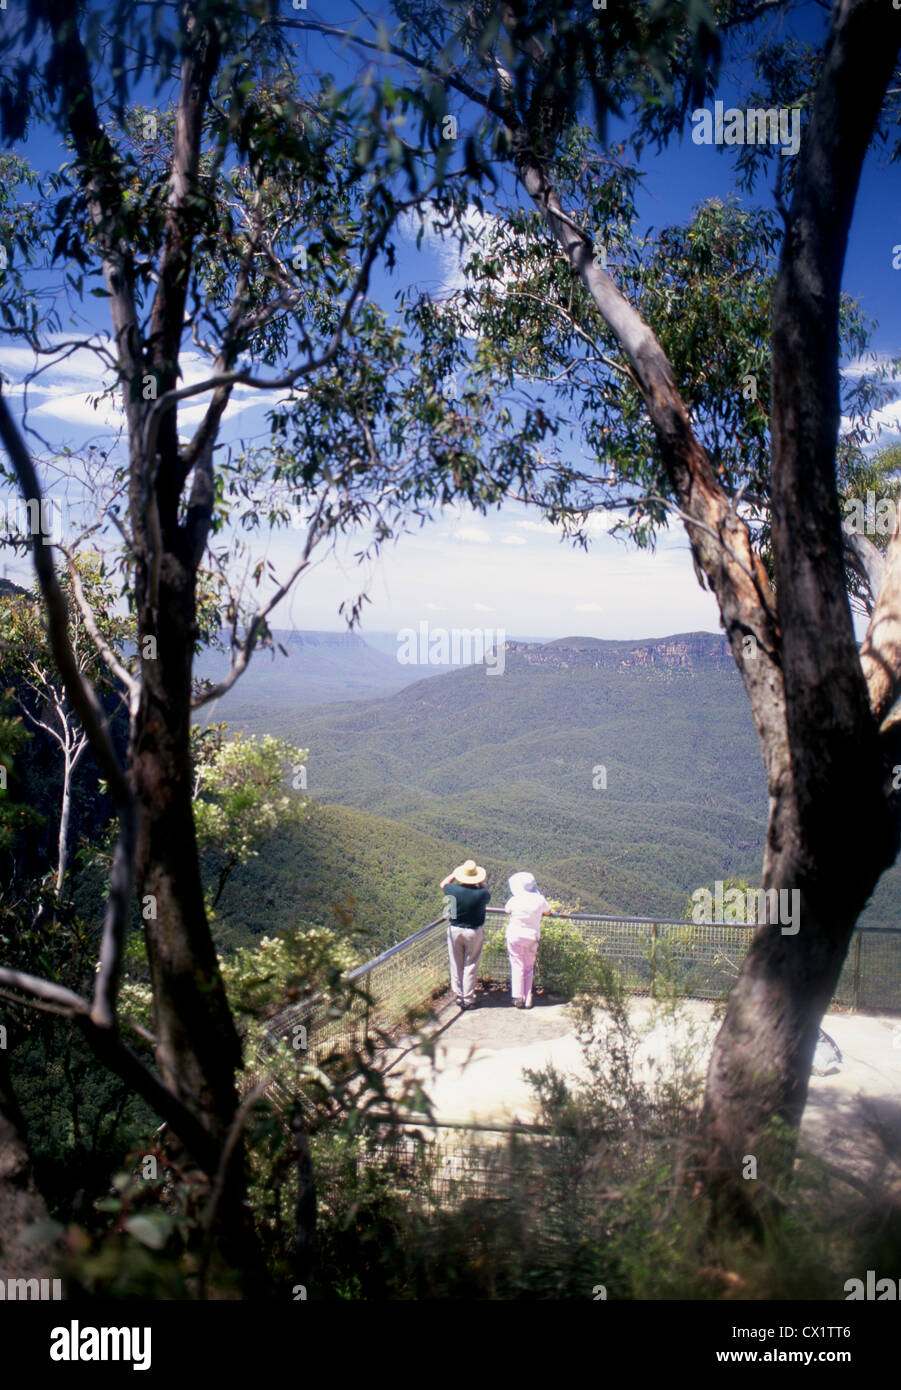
x: 64, y: 999
x: 880, y: 655
x: 245, y: 377
x: 109, y: 1049
x: 719, y: 537
x: 132, y: 685
x: 115, y: 920
x: 865, y: 559
x: 445, y: 75
x: 259, y: 619
x: 200, y: 59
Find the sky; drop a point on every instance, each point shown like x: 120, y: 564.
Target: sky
x: 508, y: 571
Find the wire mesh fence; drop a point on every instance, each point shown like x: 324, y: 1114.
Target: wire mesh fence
x: 380, y: 994
x: 700, y: 960
x: 438, y: 1165
x: 435, y: 1165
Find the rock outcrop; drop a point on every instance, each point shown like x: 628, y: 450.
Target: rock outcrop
x: 691, y: 651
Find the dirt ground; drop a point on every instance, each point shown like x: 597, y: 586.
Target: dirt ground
x: 852, y: 1119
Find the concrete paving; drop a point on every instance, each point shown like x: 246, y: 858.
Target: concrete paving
x: 853, y: 1118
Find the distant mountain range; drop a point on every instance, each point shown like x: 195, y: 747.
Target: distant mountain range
x: 325, y: 667
x: 318, y: 667
x: 623, y: 773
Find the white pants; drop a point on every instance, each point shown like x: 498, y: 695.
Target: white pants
x: 464, y: 947
x: 522, y: 948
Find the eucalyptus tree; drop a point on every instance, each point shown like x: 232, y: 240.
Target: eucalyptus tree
x: 702, y: 368
x: 219, y: 196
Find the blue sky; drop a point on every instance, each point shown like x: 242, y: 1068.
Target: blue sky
x: 508, y: 570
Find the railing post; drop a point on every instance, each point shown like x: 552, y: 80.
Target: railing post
x: 653, y: 955
x: 855, y: 988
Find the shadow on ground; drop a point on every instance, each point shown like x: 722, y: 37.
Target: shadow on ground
x: 852, y: 1120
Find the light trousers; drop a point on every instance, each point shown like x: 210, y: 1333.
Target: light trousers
x: 523, y: 951
x: 464, y: 947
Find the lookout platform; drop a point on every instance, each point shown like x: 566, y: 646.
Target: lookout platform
x: 476, y: 1073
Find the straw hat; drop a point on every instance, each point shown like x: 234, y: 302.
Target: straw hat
x: 470, y: 872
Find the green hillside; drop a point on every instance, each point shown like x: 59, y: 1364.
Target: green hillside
x: 341, y: 867
x: 350, y: 868
x: 507, y: 764
x: 502, y: 768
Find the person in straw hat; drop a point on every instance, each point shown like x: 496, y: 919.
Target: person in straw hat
x: 467, y: 900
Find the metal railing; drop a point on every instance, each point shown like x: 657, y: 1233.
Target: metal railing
x: 703, y: 959
x: 436, y: 1164
x: 700, y: 959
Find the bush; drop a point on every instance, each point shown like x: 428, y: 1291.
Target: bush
x: 567, y: 964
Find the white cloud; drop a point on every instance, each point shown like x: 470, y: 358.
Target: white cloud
x: 889, y: 417
x: 67, y: 390
x: 602, y: 521
x: 193, y: 414
x: 863, y: 366
x: 598, y: 523
x: 473, y: 534
x: 589, y: 608
x: 446, y: 246
x: 84, y: 410
x: 484, y: 608
x: 513, y: 540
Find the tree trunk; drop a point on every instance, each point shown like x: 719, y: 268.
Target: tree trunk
x: 832, y: 828
x: 759, y: 1070
x: 63, y: 838
x: 71, y: 761
x: 306, y: 1215
x: 198, y: 1047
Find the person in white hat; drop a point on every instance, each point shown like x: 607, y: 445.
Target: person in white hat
x: 526, y: 907
x: 467, y: 900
